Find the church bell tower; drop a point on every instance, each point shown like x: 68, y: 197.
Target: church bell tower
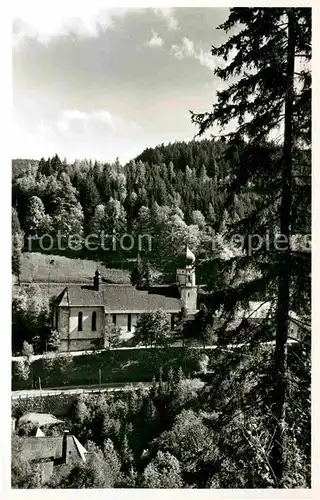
x: 186, y: 280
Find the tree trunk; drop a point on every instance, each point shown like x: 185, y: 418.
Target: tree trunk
x: 284, y: 277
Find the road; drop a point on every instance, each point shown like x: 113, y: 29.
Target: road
x: 81, y: 353
x: 117, y: 386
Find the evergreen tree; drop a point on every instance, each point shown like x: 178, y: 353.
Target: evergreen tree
x: 98, y: 219
x: 89, y: 197
x: 35, y: 215
x: 16, y: 255
x: 55, y: 165
x: 81, y: 412
x: 137, y: 273
x: 111, y: 335
x: 53, y: 341
x: 17, y: 243
x: 126, y: 455
x: 162, y: 472
x: 270, y: 88
x: 179, y: 327
x: 23, y: 474
x: 67, y: 212
x: 147, y: 273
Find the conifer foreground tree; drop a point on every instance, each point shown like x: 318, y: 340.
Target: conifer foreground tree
x: 17, y: 243
x: 267, y: 60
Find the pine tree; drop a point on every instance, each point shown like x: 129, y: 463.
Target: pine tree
x: 180, y: 324
x: 35, y: 215
x: 147, y: 273
x: 56, y: 165
x: 89, y: 197
x: 270, y: 89
x: 126, y: 455
x: 17, y: 242
x: 211, y: 214
x: 163, y: 472
x: 137, y: 273
x: 53, y: 341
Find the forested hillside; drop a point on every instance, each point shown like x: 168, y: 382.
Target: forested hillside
x: 168, y: 196
x: 174, y: 193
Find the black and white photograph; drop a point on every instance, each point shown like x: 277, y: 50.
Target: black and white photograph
x: 161, y: 247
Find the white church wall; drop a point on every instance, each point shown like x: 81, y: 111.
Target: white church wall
x: 86, y: 331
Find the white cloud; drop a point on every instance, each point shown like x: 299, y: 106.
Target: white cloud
x: 69, y: 115
x: 44, y: 20
x: 42, y: 127
x: 115, y: 123
x: 78, y: 134
x: 167, y: 14
x: 187, y: 49
x: 155, y: 41
x: 206, y: 59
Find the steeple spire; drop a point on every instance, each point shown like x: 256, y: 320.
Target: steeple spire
x: 190, y: 257
x: 186, y: 279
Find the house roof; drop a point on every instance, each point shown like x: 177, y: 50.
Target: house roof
x: 120, y: 298
x: 81, y: 449
x: 39, y: 419
x: 39, y: 433
x: 41, y: 448
x: 50, y: 448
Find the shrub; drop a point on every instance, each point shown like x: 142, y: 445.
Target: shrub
x: 21, y: 374
x: 27, y: 349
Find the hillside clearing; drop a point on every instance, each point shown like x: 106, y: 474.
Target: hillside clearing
x: 36, y: 267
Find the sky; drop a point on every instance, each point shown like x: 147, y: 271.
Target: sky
x: 100, y: 83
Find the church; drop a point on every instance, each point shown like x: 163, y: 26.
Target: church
x: 80, y: 312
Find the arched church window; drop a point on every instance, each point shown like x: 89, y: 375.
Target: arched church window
x: 94, y: 321
x: 80, y: 316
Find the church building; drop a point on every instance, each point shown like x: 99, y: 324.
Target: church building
x: 80, y: 312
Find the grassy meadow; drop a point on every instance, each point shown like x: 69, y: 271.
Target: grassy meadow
x: 35, y: 267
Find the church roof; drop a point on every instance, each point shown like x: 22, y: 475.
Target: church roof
x: 120, y: 298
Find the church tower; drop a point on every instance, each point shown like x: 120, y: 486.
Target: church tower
x: 186, y: 280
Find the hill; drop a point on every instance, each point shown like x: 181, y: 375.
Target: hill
x: 195, y: 154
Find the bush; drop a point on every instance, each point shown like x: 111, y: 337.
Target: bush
x: 203, y: 363
x: 21, y: 374
x: 27, y: 350
x: 153, y: 328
